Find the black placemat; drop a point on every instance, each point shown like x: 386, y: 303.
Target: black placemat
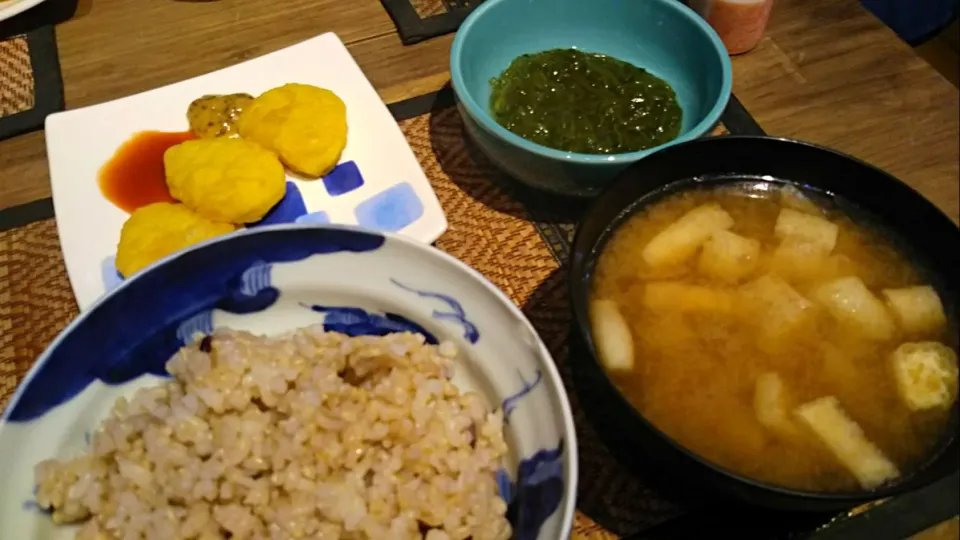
x: 417, y: 20
x: 30, y: 83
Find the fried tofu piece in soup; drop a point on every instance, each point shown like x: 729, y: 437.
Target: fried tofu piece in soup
x: 682, y: 238
x: 850, y: 302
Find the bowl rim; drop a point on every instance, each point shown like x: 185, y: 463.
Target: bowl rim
x: 549, y: 365
x: 489, y: 124
x: 579, y: 306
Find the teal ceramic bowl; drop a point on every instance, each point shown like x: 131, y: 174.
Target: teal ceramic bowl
x: 662, y: 36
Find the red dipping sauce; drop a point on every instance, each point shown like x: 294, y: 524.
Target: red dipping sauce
x: 134, y: 176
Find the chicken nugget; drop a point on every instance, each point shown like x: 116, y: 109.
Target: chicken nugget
x: 225, y: 180
x: 154, y: 231
x: 305, y: 125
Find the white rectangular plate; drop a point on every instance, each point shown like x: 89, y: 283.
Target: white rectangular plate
x: 394, y: 194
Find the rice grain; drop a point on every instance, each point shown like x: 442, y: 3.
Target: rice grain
x: 312, y: 434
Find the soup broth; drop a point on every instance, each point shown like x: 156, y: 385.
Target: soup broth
x: 776, y: 339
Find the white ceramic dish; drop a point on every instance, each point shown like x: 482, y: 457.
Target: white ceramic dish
x: 270, y: 280
x: 9, y: 8
x: 393, y: 196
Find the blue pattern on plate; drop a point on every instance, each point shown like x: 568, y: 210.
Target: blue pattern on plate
x: 201, y: 323
x: 320, y: 217
x: 109, y: 274
x: 192, y: 282
x: 289, y: 208
x: 510, y: 403
x: 537, y: 493
x: 354, y: 321
x: 32, y: 506
x: 390, y: 210
x: 456, y: 313
x: 344, y: 178
x: 255, y: 279
x: 251, y: 292
x: 505, y: 486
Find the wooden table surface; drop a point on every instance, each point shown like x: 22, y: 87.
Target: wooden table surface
x: 827, y: 72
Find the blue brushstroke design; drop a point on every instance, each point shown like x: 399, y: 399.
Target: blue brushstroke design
x: 201, y: 323
x: 344, y: 178
x: 354, y: 321
x: 148, y: 357
x: 537, y: 493
x: 86, y: 438
x: 251, y: 292
x: 290, y: 207
x: 510, y: 403
x: 109, y: 274
x: 32, y: 506
x: 318, y: 217
x: 255, y: 279
x: 390, y: 210
x: 505, y: 486
x: 133, y: 331
x: 456, y: 313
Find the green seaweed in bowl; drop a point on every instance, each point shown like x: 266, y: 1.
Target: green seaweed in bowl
x: 582, y: 102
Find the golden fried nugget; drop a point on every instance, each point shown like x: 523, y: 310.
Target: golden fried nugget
x: 225, y: 180
x: 305, y: 125
x: 154, y: 231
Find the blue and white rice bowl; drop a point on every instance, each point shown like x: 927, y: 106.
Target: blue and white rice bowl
x: 272, y: 280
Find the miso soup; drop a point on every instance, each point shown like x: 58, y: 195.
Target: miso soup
x: 781, y: 339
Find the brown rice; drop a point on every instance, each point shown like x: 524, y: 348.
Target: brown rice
x: 308, y: 435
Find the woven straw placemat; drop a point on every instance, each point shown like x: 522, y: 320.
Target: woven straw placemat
x: 16, y: 76
x: 30, y: 84
x: 429, y: 8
